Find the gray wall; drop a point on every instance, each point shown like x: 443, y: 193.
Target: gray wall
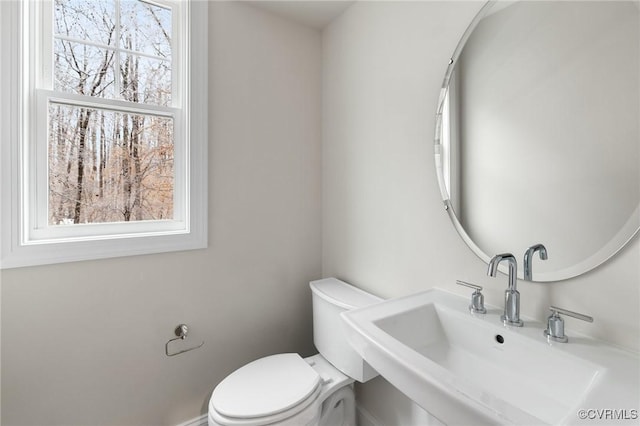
x: 83, y: 343
x: 384, y: 227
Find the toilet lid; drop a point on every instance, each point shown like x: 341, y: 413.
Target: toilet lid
x: 265, y: 387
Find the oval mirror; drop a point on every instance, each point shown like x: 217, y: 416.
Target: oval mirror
x: 538, y: 132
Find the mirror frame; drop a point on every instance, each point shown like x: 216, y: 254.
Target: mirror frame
x: 627, y: 233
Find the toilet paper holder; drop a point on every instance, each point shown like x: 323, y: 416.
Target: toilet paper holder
x: 181, y: 331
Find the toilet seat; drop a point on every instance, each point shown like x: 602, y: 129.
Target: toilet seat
x: 282, y: 388
x: 267, y: 390
x: 268, y: 386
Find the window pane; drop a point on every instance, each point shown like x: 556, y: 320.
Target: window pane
x: 145, y: 80
x: 107, y: 166
x: 83, y: 69
x: 145, y: 28
x: 92, y: 20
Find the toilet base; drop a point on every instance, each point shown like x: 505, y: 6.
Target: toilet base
x: 339, y: 409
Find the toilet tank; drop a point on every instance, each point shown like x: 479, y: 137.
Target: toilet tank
x: 331, y: 297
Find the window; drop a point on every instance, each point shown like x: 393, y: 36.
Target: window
x: 106, y: 115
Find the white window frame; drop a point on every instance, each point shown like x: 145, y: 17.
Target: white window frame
x: 25, y: 236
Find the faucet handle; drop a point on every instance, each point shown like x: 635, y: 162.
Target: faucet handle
x: 555, y: 323
x: 477, y: 298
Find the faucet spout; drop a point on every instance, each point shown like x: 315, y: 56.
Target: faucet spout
x: 511, y: 314
x: 513, y: 268
x: 528, y: 259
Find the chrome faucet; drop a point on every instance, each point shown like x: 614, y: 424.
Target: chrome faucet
x: 511, y: 314
x: 528, y: 259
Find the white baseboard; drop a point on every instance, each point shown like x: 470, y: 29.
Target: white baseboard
x: 198, y: 421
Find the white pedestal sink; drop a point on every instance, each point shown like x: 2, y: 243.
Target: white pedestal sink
x: 470, y: 369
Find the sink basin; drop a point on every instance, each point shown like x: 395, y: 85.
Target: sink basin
x: 518, y: 371
x: 466, y: 368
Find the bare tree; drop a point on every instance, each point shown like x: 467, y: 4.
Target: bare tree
x: 108, y: 166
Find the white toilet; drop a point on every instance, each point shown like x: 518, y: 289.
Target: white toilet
x: 286, y: 389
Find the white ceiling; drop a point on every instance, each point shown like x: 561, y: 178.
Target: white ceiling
x: 313, y: 13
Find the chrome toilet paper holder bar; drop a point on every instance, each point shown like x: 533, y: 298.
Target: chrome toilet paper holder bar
x: 181, y: 331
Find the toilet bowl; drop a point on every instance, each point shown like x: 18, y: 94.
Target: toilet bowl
x: 284, y: 389
x: 287, y: 390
